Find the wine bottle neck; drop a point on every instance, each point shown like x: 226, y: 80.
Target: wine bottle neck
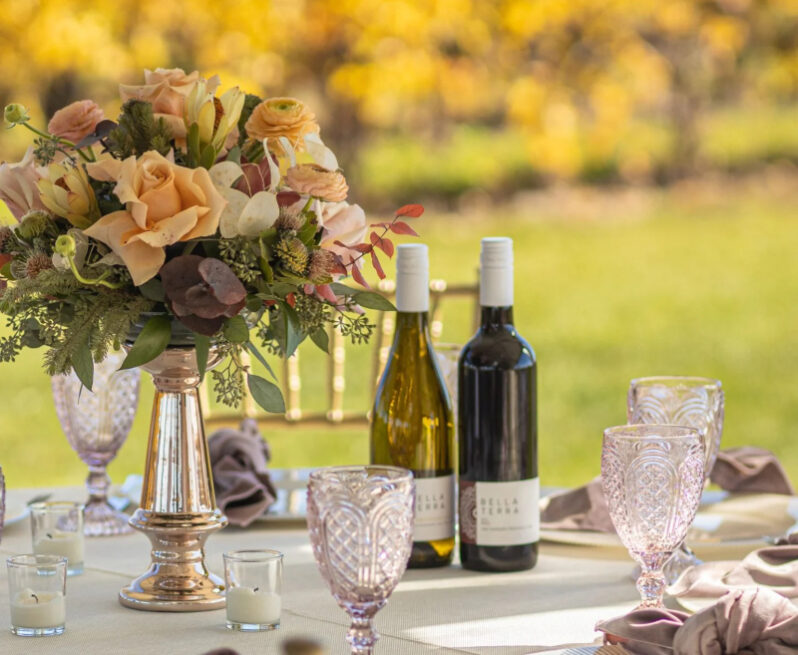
x: 412, y: 328
x: 493, y: 317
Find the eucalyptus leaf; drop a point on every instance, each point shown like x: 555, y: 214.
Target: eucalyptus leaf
x: 293, y: 333
x: 373, y: 300
x: 342, y: 290
x: 83, y: 364
x: 236, y: 329
x: 321, y: 339
x: 152, y: 289
x: 151, y: 342
x: 266, y: 394
x: 203, y: 347
x: 251, y: 347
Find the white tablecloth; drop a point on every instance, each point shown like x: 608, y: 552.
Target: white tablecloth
x: 447, y: 610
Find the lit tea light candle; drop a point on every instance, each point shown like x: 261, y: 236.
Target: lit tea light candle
x: 42, y: 609
x: 253, y: 606
x: 66, y: 544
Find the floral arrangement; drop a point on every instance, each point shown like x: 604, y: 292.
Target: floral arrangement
x: 220, y: 219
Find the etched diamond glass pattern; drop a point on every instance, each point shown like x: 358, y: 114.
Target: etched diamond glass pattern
x: 96, y: 424
x: 360, y: 521
x: 652, y: 476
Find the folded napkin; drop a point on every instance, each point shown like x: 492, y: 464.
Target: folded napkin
x: 750, y: 469
x: 751, y: 622
x: 583, y: 508
x: 746, y: 469
x: 775, y: 567
x: 239, y: 460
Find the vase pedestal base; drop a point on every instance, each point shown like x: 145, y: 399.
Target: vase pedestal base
x: 177, y: 580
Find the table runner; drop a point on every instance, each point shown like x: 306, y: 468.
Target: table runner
x: 447, y: 610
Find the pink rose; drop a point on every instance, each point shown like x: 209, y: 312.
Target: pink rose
x: 76, y: 120
x: 345, y: 223
x: 18, y: 188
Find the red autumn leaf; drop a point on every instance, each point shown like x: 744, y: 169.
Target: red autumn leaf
x: 411, y: 211
x: 360, y: 247
x: 375, y: 262
x: 400, y: 227
x: 386, y: 245
x: 291, y: 299
x: 382, y: 225
x: 357, y: 276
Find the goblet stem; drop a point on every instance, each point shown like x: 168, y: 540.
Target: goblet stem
x: 100, y: 518
x: 98, y: 484
x: 362, y: 636
x: 651, y: 585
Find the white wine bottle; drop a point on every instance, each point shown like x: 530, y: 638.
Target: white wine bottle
x: 497, y: 427
x: 411, y: 424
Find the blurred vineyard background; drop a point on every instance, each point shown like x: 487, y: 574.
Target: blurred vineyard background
x: 641, y: 153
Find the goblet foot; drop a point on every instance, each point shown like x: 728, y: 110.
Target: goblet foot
x: 682, y: 559
x: 362, y: 636
x: 651, y: 585
x: 102, y: 520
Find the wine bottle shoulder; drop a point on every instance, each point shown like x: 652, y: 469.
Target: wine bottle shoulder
x: 498, y: 348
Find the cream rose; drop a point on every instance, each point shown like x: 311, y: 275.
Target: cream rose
x: 313, y: 180
x: 165, y: 203
x: 344, y: 223
x: 76, y: 120
x: 167, y: 90
x: 278, y: 117
x: 18, y: 185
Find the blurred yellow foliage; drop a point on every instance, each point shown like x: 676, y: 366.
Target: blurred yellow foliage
x: 572, y: 75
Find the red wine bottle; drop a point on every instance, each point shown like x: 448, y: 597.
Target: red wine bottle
x: 497, y: 416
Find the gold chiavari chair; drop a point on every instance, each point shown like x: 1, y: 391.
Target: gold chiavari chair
x: 334, y: 414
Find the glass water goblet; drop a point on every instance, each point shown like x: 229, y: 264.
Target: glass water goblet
x: 96, y: 423
x: 652, y: 477
x: 360, y: 520
x: 681, y: 400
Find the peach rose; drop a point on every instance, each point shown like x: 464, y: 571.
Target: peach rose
x: 345, y: 223
x: 165, y: 203
x: 278, y: 117
x: 313, y: 180
x: 76, y: 120
x: 167, y: 90
x: 18, y: 185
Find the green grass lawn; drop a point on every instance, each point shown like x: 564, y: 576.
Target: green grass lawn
x: 674, y: 285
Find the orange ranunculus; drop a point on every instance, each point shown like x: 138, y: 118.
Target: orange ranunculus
x: 313, y: 180
x: 278, y: 117
x: 167, y: 90
x: 76, y: 120
x: 165, y: 203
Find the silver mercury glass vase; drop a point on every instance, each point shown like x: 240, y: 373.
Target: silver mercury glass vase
x: 178, y: 507
x: 96, y: 424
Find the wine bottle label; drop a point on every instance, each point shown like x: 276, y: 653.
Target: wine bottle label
x: 434, y: 508
x: 500, y: 513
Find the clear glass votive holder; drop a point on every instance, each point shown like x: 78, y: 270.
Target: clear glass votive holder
x: 57, y: 529
x: 253, y: 582
x: 37, y: 590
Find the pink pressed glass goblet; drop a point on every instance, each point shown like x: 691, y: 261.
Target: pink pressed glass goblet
x: 360, y: 520
x: 96, y: 424
x: 652, y: 476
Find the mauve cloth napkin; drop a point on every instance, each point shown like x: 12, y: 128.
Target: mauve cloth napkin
x: 750, y: 469
x: 752, y: 622
x: 775, y: 567
x: 746, y: 469
x: 239, y: 460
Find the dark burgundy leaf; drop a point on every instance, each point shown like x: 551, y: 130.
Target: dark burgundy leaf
x: 256, y: 178
x: 288, y: 198
x: 400, y: 227
x: 101, y: 130
x: 206, y: 326
x: 227, y: 288
x: 411, y: 211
